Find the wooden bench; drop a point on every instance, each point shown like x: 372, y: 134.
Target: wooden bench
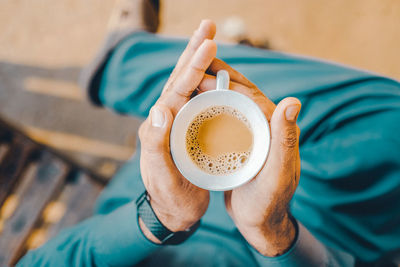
x: 41, y: 192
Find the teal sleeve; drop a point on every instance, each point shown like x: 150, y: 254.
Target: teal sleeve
x: 306, y: 251
x: 113, y: 239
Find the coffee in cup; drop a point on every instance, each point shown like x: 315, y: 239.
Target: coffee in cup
x: 219, y: 140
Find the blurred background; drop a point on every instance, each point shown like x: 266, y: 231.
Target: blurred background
x: 45, y: 43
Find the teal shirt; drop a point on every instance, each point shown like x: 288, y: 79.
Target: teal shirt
x: 347, y: 204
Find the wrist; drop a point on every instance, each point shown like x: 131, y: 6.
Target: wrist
x: 154, y: 230
x: 174, y: 221
x: 272, y: 240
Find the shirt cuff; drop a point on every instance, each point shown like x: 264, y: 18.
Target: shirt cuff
x: 305, y: 251
x: 119, y: 241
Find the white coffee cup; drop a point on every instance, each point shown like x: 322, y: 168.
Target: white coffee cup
x: 222, y: 96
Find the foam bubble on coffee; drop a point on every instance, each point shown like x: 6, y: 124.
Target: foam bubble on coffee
x: 221, y: 163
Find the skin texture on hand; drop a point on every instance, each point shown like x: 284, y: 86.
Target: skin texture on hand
x: 258, y: 208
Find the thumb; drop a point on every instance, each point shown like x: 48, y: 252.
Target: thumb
x: 285, y: 134
x: 154, y: 133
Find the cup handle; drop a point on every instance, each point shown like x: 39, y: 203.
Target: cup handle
x: 222, y: 80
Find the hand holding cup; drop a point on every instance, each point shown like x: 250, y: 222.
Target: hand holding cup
x: 177, y: 203
x: 259, y: 208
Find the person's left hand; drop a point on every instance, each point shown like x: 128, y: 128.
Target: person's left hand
x: 260, y: 207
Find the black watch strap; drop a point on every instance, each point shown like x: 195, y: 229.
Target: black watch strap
x: 162, y: 233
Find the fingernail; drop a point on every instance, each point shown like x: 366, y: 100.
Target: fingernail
x: 292, y: 112
x: 157, y: 117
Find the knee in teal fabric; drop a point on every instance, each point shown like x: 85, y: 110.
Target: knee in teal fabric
x: 349, y: 187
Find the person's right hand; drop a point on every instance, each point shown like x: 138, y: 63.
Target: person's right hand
x: 259, y: 208
x: 177, y: 203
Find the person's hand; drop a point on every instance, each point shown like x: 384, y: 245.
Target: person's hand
x: 177, y: 203
x: 260, y: 207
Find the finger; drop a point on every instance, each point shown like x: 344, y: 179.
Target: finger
x: 298, y: 168
x: 209, y: 82
x: 298, y: 161
x: 182, y: 88
x: 206, y: 30
x: 194, y: 72
x: 155, y: 151
x: 234, y: 75
x: 265, y: 104
x: 284, y: 153
x: 237, y: 77
x: 154, y: 132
